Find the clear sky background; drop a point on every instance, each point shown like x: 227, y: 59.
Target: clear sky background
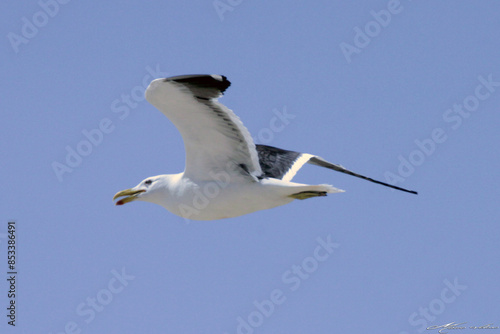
x: 412, y: 98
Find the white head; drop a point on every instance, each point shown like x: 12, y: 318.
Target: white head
x: 152, y: 189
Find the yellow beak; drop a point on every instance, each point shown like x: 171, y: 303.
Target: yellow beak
x: 131, y: 195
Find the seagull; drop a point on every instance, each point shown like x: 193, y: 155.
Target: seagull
x: 226, y: 175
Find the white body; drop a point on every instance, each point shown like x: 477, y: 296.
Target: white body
x: 218, y: 199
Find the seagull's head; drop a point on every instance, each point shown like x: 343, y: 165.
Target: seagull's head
x: 147, y: 190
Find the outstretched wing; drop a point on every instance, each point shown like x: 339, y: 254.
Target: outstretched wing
x: 282, y: 164
x: 215, y: 139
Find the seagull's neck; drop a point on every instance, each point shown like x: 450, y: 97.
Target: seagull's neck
x: 171, y: 181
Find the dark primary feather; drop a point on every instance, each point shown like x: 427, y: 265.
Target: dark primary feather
x: 202, y: 86
x: 323, y: 163
x: 274, y: 161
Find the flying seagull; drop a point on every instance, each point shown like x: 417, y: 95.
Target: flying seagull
x: 226, y: 174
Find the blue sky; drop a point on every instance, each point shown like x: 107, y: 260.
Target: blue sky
x: 406, y: 92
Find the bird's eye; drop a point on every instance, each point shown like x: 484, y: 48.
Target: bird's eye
x: 148, y: 182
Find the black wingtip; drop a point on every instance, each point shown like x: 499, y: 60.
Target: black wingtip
x: 388, y: 185
x: 219, y: 82
x: 315, y: 160
x: 405, y: 190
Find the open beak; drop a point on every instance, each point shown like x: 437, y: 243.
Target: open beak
x: 131, y: 195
